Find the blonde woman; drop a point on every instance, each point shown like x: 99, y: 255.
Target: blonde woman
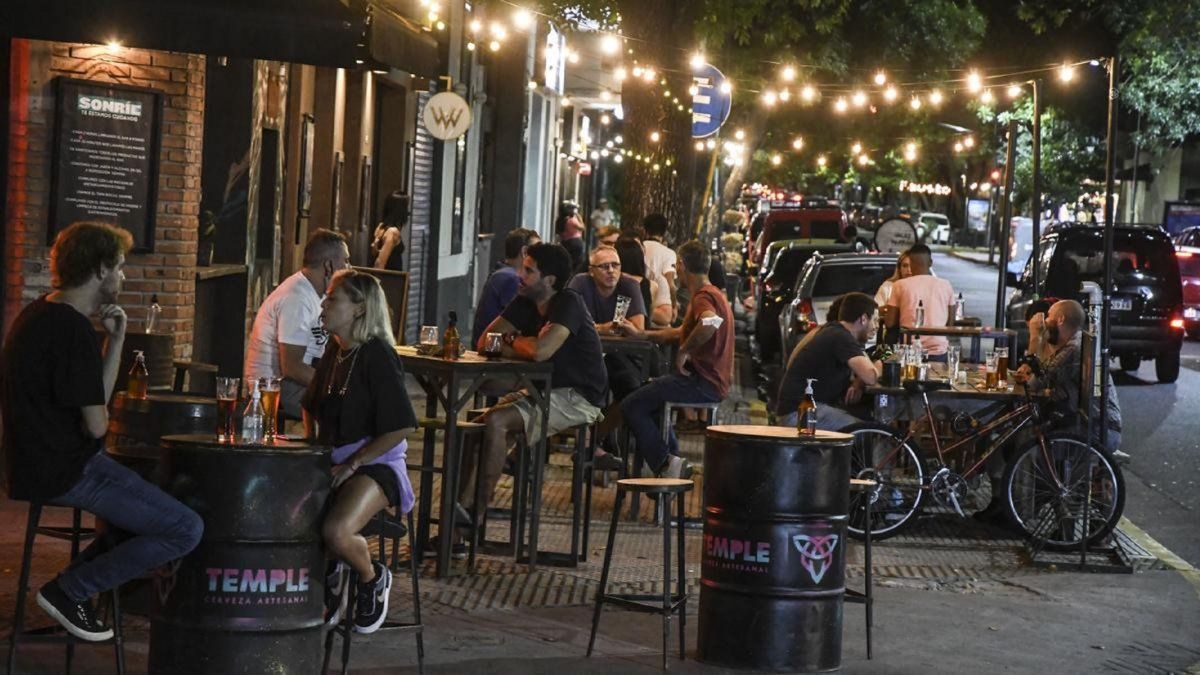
x: 903, y: 271
x: 357, y: 403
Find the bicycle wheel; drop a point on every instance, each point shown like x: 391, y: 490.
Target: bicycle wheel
x: 899, y: 471
x: 1064, y: 494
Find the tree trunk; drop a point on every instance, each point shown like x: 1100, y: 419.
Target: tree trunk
x: 658, y: 31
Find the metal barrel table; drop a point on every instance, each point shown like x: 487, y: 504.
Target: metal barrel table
x: 136, y: 426
x: 250, y: 597
x: 773, y: 566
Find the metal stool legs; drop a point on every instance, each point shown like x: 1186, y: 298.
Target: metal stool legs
x: 55, y: 634
x: 866, y: 597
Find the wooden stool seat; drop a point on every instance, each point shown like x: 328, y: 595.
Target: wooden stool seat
x: 655, y: 485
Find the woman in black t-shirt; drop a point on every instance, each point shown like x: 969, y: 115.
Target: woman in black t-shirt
x: 357, y: 402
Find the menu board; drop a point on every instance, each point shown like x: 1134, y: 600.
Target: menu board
x: 105, y: 168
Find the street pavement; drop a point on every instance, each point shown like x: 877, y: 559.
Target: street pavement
x: 1161, y: 427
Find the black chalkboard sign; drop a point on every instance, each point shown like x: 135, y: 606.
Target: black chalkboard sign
x: 106, y: 152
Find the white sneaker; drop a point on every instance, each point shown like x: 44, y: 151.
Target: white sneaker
x: 677, y: 467
x: 1122, y: 458
x: 336, y: 597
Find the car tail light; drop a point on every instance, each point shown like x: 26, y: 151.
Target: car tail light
x: 1183, y: 254
x: 804, y: 313
x: 1177, y: 322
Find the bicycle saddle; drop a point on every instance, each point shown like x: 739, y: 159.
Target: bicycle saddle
x: 925, y: 386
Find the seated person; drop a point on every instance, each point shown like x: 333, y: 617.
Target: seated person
x: 704, y: 364
x: 607, y: 235
x: 501, y: 285
x: 834, y: 358
x: 656, y: 297
x: 1054, y: 340
x: 545, y: 322
x: 357, y: 403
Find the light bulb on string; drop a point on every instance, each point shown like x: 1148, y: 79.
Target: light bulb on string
x: 1014, y: 90
x: 789, y: 73
x: 655, y: 137
x: 572, y: 56
x: 821, y: 161
x: 476, y: 26
x: 533, y: 85
x: 711, y: 144
x: 958, y: 146
x: 856, y: 148
x: 498, y: 31
x: 693, y: 90
x: 699, y: 146
x: 880, y: 78
x: 785, y: 95
x: 769, y: 98
x: 648, y: 74
x: 808, y: 93
x: 470, y: 46
x: 610, y: 45
x: 935, y: 97
x: 840, y: 105
x: 617, y: 159
x: 974, y: 82
x: 605, y: 119
x: 522, y: 18
x: 969, y: 142
x: 1066, y: 73
x: 494, y: 45
x: 619, y: 74
x: 986, y: 96
x: 797, y: 143
x: 697, y: 61
x: 726, y: 87
x: 619, y: 139
x: 776, y: 159
x: 565, y: 101
x: 859, y: 98
x: 863, y: 160
x: 915, y: 103
x: 910, y: 151
x: 605, y: 95
x: 637, y: 71
x: 890, y: 94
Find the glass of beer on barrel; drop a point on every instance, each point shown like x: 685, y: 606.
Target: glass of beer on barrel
x: 227, y: 393
x: 269, y: 388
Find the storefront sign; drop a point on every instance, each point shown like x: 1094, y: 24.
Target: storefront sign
x: 106, y: 147
x: 710, y: 103
x: 925, y: 188
x: 447, y: 116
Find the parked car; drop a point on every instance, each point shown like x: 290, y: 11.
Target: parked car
x: 812, y: 218
x: 934, y: 228
x: 824, y: 278
x: 1146, y: 318
x: 1189, y: 276
x: 777, y: 288
x: 1189, y: 236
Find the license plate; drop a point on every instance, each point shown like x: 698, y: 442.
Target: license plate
x: 1121, y: 304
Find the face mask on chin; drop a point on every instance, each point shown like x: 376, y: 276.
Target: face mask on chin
x: 1052, y: 333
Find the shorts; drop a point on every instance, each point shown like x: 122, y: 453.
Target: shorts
x: 568, y: 408
x: 383, y: 475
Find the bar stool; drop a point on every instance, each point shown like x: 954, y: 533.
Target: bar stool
x: 75, y: 534
x: 665, y: 604
x: 467, y: 431
x: 345, y: 628
x: 865, y: 597
x: 664, y: 424
x: 528, y: 498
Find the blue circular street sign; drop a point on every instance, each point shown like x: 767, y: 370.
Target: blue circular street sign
x: 710, y: 103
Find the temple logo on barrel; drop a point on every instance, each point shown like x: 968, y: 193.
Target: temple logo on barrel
x: 817, y: 553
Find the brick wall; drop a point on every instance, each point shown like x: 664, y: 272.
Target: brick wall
x: 169, y: 270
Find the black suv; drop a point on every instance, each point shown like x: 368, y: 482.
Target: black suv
x: 1146, y: 313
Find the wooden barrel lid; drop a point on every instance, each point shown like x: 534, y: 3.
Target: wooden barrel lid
x: 655, y: 484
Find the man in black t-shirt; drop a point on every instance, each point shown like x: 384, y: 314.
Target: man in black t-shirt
x: 56, y: 383
x: 545, y: 322
x: 833, y: 357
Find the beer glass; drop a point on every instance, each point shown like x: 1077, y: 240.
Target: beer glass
x: 493, y: 344
x: 269, y: 389
x: 429, y: 335
x: 1002, y: 364
x: 991, y: 377
x: 622, y: 307
x: 227, y: 394
x: 953, y: 358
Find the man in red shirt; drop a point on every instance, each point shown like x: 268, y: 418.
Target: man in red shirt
x: 703, y: 364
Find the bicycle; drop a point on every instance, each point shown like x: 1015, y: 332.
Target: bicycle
x: 1059, y: 489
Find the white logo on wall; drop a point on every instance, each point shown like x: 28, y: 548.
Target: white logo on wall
x: 447, y: 116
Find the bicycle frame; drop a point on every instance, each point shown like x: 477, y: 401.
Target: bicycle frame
x: 1026, y: 411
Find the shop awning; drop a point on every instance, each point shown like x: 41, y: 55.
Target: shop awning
x: 334, y: 33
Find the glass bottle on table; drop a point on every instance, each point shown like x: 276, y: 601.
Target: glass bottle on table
x: 252, y: 419
x: 919, y: 321
x: 138, y: 385
x: 152, y: 314
x: 806, y: 412
x: 451, y: 342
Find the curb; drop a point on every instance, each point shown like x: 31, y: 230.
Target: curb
x: 1168, y: 557
x: 961, y: 256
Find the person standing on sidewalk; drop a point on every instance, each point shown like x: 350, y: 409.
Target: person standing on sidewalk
x: 924, y: 290
x: 56, y: 385
x: 704, y: 364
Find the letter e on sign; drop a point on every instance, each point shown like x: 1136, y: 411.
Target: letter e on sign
x: 447, y: 116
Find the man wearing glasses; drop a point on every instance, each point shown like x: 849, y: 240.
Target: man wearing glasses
x: 601, y: 287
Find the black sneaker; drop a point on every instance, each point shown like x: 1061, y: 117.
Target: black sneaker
x: 371, y: 605
x: 336, y: 597
x: 77, y: 617
x: 458, y: 550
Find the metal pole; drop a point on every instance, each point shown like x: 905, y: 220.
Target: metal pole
x: 991, y: 213
x: 1006, y: 222
x: 1110, y: 159
x: 1037, y: 181
x: 1137, y: 157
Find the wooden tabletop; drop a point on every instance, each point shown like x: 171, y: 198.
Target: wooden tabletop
x: 764, y: 431
x: 210, y: 442
x: 468, y: 361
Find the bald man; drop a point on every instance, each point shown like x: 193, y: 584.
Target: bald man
x: 1054, y: 339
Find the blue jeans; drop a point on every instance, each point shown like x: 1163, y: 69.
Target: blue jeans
x: 829, y: 418
x: 161, y: 528
x: 643, y: 412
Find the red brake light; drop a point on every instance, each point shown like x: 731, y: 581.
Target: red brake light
x: 1177, y: 323
x: 805, y: 313
x: 1183, y: 254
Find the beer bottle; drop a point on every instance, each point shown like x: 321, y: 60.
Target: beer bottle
x: 138, y: 385
x: 451, y: 341
x: 806, y: 413
x: 152, y: 313
x: 920, y: 320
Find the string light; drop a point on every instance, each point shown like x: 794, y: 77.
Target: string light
x: 494, y: 46
x: 610, y: 45
x: 880, y: 78
x: 890, y: 94
x: 808, y: 93
x: 856, y: 148
x: 693, y: 90
x: 863, y: 160
x: 958, y: 146
x: 648, y: 74
x: 533, y: 85
x: 935, y: 97
x: 776, y: 160
x: 605, y: 119
x: 797, y: 143
x: 821, y: 161
x: 969, y: 142
x: 739, y: 134
x: 789, y: 73
x: 699, y: 146
x: 785, y: 96
x: 986, y: 96
x: 711, y: 144
x: 566, y: 102
x: 726, y: 87
x: 476, y: 26
x: 572, y: 56
x: 915, y: 103
x: 697, y: 61
x: 1014, y: 90
x: 974, y: 82
x: 617, y: 159
x: 498, y: 31
x: 910, y: 151
x: 470, y: 46
x: 655, y: 137
x: 769, y: 97
x: 1066, y: 73
x: 859, y: 98
x: 840, y: 105
x: 522, y: 18
x: 619, y: 74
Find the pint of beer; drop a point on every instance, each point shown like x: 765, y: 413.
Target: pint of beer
x: 269, y: 388
x: 227, y: 393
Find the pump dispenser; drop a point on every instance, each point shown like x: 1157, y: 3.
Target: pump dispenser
x: 806, y: 413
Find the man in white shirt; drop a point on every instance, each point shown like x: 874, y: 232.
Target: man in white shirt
x: 660, y: 260
x: 922, y: 289
x: 602, y: 216
x: 287, y: 339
